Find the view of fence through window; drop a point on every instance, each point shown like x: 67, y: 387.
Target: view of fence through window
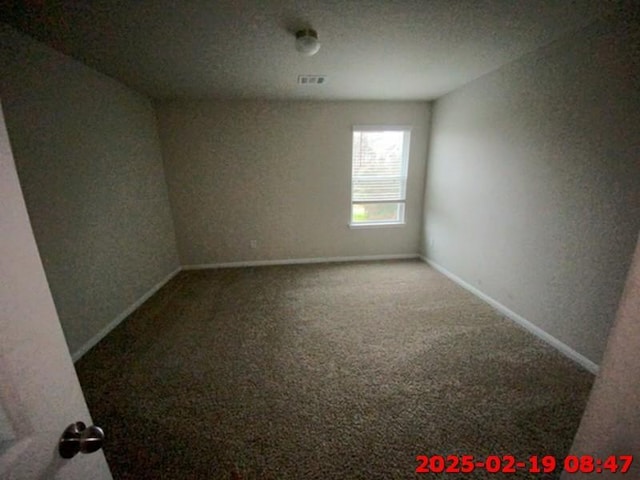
x: 379, y: 175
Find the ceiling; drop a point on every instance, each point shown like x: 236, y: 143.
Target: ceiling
x: 395, y: 49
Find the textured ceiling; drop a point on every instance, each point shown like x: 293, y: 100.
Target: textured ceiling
x: 403, y: 49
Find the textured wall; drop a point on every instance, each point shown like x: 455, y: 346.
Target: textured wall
x: 279, y: 173
x: 88, y: 157
x: 533, y: 183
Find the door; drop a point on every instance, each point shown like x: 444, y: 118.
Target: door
x: 610, y: 426
x: 39, y: 391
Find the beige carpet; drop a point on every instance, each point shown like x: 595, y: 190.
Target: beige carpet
x: 324, y: 372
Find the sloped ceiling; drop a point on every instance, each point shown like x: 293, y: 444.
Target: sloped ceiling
x: 402, y: 49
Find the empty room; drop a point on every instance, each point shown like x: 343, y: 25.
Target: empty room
x: 319, y: 239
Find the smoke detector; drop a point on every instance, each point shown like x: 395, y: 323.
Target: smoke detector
x: 307, y: 41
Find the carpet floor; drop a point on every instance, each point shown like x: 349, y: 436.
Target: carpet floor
x: 325, y: 371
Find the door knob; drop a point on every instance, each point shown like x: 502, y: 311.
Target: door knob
x: 77, y: 437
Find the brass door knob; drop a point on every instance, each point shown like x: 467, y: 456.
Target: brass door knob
x: 77, y: 437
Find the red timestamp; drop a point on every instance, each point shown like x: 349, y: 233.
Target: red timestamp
x: 533, y: 464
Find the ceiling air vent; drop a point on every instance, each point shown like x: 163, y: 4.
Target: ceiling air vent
x: 312, y: 79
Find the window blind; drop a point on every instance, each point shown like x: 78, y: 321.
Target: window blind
x: 379, y: 174
x: 379, y: 166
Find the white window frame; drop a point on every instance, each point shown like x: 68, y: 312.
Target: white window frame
x: 405, y: 170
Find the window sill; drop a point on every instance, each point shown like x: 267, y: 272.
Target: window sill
x: 358, y: 226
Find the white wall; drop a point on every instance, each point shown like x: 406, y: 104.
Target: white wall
x: 88, y: 156
x: 533, y: 183
x: 279, y: 173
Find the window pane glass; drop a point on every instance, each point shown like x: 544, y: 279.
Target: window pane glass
x: 377, y: 212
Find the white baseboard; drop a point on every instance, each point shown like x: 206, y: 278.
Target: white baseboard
x: 116, y: 321
x: 523, y: 322
x: 298, y: 261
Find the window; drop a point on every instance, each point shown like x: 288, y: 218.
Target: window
x: 379, y: 175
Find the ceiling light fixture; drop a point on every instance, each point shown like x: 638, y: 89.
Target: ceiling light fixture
x: 307, y: 42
